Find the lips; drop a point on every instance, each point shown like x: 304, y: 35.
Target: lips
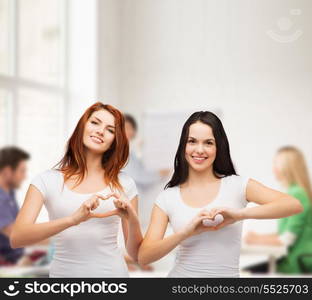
x: 96, y: 139
x: 199, y: 159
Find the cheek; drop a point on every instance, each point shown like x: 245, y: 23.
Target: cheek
x: 110, y: 139
x: 212, y: 152
x: 86, y: 132
x: 188, y: 150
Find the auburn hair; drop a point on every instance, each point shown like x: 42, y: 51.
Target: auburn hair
x: 114, y: 159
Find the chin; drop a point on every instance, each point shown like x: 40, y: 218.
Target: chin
x: 199, y: 168
x: 94, y: 149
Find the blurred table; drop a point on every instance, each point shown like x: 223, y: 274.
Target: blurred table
x: 273, y: 253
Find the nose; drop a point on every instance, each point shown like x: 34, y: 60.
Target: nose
x: 100, y: 131
x: 200, y: 149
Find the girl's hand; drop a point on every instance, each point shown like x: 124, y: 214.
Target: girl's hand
x: 84, y: 212
x: 230, y: 216
x: 196, y: 225
x: 123, y: 206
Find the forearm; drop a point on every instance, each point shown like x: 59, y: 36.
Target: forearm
x: 28, y: 234
x: 151, y: 251
x: 134, y: 238
x: 268, y: 239
x: 273, y: 210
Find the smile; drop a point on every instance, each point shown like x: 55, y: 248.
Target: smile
x: 199, y: 159
x: 96, y: 139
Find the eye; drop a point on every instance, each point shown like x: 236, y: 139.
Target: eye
x: 111, y: 131
x: 191, y: 141
x: 210, y: 143
x: 93, y: 122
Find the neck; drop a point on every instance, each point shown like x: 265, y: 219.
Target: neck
x: 94, y: 162
x: 4, y: 185
x: 196, y: 178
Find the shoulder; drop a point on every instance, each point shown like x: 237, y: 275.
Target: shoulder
x: 47, y: 178
x: 49, y: 173
x: 124, y: 179
x: 236, y: 180
x: 167, y: 196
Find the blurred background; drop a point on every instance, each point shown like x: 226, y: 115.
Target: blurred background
x: 249, y: 61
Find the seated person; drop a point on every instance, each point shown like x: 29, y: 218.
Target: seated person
x: 295, y: 232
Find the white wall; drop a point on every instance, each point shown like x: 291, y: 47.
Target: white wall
x: 187, y: 54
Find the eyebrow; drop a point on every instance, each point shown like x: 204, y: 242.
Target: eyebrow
x: 211, y: 139
x: 101, y: 122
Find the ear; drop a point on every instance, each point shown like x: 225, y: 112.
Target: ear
x: 7, y: 171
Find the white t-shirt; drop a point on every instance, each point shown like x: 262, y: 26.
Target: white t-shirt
x: 89, y: 249
x: 212, y: 253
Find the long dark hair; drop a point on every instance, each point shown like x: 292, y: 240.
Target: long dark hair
x: 222, y: 166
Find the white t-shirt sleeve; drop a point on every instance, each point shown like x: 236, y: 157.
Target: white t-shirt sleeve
x: 161, y: 202
x: 40, y: 184
x: 129, y: 186
x: 244, y: 181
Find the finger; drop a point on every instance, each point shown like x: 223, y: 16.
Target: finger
x: 115, y: 195
x: 105, y: 215
x: 87, y: 205
x: 94, y: 203
x: 101, y: 197
x: 117, y: 203
x: 204, y: 213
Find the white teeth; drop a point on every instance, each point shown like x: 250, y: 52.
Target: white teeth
x: 97, y: 139
x: 199, y: 158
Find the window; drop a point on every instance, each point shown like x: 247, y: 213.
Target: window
x: 33, y: 85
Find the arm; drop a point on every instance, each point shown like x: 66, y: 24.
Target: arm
x: 155, y: 246
x: 272, y: 204
x: 269, y: 239
x: 132, y: 231
x: 25, y: 232
x: 7, y: 230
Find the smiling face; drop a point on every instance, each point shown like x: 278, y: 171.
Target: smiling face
x: 200, y: 150
x: 99, y: 131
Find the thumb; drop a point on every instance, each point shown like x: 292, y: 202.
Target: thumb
x: 105, y: 215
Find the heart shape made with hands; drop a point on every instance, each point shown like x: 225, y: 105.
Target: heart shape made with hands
x: 218, y: 219
x: 108, y: 213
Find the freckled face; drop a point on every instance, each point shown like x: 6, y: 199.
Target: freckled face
x: 200, y: 150
x: 99, y: 131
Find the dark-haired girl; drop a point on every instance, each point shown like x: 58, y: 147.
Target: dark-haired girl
x: 85, y: 196
x: 204, y: 185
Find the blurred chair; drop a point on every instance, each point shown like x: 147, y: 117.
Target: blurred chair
x: 305, y: 263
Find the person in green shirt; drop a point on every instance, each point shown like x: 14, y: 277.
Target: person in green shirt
x: 295, y: 232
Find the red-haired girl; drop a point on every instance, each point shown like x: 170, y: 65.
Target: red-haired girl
x: 85, y: 195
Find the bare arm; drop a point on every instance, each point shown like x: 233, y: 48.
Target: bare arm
x: 7, y: 230
x: 132, y: 231
x: 269, y: 239
x: 155, y: 246
x: 272, y: 204
x: 25, y: 232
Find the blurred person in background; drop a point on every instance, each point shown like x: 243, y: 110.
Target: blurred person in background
x: 294, y: 232
x: 144, y: 178
x: 13, y: 168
